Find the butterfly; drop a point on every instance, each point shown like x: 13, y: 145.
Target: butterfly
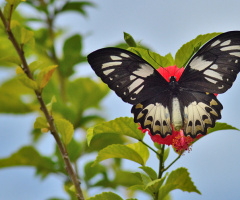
x: 189, y: 103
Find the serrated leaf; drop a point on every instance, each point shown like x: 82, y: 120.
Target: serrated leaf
x: 44, y: 76
x: 106, y: 196
x: 222, y: 126
x: 65, y: 128
x: 41, y: 122
x: 152, y: 58
x: 129, y: 40
x: 178, y: 179
x: 190, y: 48
x: 28, y: 156
x: 154, y: 185
x: 121, y: 126
x: 149, y: 171
x: 119, y: 151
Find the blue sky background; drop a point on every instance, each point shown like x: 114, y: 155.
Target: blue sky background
x: 164, y: 26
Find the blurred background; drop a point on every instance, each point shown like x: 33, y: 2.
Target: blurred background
x: 164, y: 26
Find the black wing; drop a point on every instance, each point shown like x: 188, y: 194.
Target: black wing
x: 215, y: 66
x: 131, y: 77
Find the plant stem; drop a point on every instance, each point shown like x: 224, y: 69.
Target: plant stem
x: 150, y: 147
x: 172, y: 163
x: 43, y: 107
x: 161, y: 163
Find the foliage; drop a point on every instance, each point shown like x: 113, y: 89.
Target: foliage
x: 64, y: 104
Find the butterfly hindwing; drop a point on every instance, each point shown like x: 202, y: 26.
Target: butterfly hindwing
x: 154, y: 114
x: 131, y: 77
x: 215, y: 66
x: 200, y: 111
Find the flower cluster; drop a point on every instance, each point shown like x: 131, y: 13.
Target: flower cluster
x: 178, y: 140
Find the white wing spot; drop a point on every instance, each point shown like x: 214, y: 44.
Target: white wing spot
x: 215, y: 66
x: 139, y: 90
x: 135, y: 84
x: 110, y: 64
x: 236, y: 61
x: 235, y: 54
x: 199, y: 64
x: 215, y: 43
x: 227, y: 42
x: 115, y: 58
x: 221, y: 87
x: 213, y: 74
x: 132, y: 77
x: 145, y: 70
x: 106, y: 72
x: 211, y: 80
x: 124, y: 55
x: 229, y: 48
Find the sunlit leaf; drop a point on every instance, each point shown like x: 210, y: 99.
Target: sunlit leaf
x: 141, y: 149
x: 125, y: 178
x: 28, y: 156
x: 178, y: 179
x: 120, y: 151
x: 27, y: 81
x: 65, y: 128
x: 222, y: 126
x: 190, y: 48
x: 106, y: 196
x: 45, y: 75
x: 41, y: 122
x: 149, y: 171
x: 122, y: 126
x: 153, y: 58
x: 154, y: 185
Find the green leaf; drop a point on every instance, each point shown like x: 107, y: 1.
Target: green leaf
x: 77, y: 6
x: 27, y: 37
x: 123, y: 151
x: 125, y: 178
x: 49, y: 105
x: 149, y: 171
x: 23, y: 78
x: 91, y: 170
x: 121, y: 126
x: 154, y: 185
x: 153, y: 58
x: 10, y: 7
x: 28, y: 156
x: 16, y: 97
x: 129, y: 40
x: 44, y: 76
x: 166, y: 153
x: 221, y: 126
x: 65, y: 128
x: 190, y: 48
x: 178, y: 179
x: 41, y: 122
x: 71, y: 55
x: 89, y: 93
x: 106, y: 196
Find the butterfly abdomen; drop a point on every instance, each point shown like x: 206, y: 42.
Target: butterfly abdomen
x: 177, y: 120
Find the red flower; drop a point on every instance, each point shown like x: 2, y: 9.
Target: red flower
x: 178, y: 140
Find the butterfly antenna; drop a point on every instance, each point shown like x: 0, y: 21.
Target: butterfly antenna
x: 157, y: 63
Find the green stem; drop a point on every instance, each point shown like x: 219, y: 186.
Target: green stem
x: 161, y: 163
x: 172, y: 163
x: 150, y: 147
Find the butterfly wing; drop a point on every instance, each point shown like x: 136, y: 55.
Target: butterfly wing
x: 131, y: 77
x: 200, y: 111
x: 215, y: 66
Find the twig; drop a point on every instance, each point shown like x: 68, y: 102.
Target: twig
x: 150, y: 147
x: 43, y: 107
x: 165, y: 169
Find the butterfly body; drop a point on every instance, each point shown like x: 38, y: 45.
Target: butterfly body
x: 186, y: 103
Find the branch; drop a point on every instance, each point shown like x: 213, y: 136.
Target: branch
x: 43, y: 107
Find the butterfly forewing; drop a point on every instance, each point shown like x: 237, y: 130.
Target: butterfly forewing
x: 131, y: 77
x: 215, y: 66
